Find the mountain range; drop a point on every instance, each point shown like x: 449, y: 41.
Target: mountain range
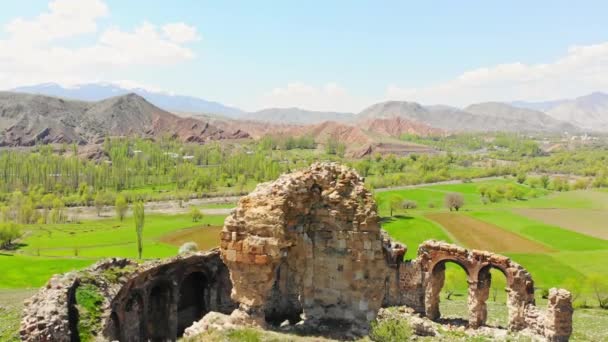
x: 27, y: 119
x: 101, y: 91
x: 567, y: 115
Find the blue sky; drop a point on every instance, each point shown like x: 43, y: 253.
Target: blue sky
x: 332, y: 55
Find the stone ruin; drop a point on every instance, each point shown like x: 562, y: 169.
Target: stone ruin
x: 306, y: 249
x: 154, y: 301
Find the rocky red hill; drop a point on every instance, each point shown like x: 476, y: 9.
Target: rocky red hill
x: 29, y: 119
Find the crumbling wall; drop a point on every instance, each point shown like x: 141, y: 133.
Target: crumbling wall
x: 555, y: 323
x: 309, y: 242
x: 154, y: 301
x: 307, y: 246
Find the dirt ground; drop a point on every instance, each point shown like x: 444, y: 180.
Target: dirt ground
x: 585, y: 221
x: 206, y: 237
x: 477, y: 234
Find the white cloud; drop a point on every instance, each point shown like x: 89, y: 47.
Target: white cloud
x: 180, y: 33
x: 35, y: 50
x: 328, y: 97
x: 582, y: 70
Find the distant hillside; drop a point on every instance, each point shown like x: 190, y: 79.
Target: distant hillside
x: 101, y: 91
x: 481, y: 117
x: 26, y: 119
x: 361, y: 139
x: 590, y: 112
x: 519, y: 119
x: 297, y: 116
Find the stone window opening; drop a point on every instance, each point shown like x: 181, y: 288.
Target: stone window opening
x: 159, y: 313
x: 191, y: 304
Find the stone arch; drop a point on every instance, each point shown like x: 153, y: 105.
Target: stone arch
x: 520, y: 287
x: 159, y: 312
x: 436, y: 281
x: 191, y: 304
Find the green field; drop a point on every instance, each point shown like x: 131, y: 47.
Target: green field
x: 50, y: 249
x: 564, y: 254
x: 571, y: 254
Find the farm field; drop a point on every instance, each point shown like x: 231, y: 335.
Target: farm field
x: 51, y: 249
x: 477, y: 234
x: 206, y: 237
x: 585, y: 221
x: 553, y: 254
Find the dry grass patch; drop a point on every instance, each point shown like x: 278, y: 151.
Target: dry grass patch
x: 476, y: 234
x: 206, y: 237
x: 585, y: 221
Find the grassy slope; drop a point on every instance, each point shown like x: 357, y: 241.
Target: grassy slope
x: 71, y: 246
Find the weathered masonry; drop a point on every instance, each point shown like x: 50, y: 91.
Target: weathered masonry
x: 155, y: 301
x: 310, y: 245
x: 306, y: 248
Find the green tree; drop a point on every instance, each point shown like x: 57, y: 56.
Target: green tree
x: 196, y: 214
x: 544, y: 181
x: 121, y: 206
x: 598, y: 285
x: 9, y: 232
x: 138, y: 214
x: 99, y: 202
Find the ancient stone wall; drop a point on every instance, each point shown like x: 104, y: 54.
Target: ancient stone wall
x: 309, y: 243
x: 306, y: 248
x: 154, y: 301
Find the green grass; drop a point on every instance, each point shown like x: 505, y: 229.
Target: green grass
x: 557, y: 238
x: 52, y: 249
x: 88, y: 303
x: 413, y: 230
x: 20, y: 271
x: 435, y: 195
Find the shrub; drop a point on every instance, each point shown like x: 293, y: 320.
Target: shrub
x: 409, y: 204
x: 389, y: 330
x: 454, y: 201
x: 196, y: 214
x: 188, y: 247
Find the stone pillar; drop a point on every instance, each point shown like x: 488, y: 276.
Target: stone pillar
x: 434, y: 283
x: 479, y: 292
x: 558, y: 319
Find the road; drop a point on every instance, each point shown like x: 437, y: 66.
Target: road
x: 172, y: 207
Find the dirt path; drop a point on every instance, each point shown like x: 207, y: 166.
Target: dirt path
x: 172, y: 206
x: 453, y: 181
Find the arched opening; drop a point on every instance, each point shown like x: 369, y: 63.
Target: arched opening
x: 133, y: 314
x: 114, y: 327
x: 73, y: 313
x: 492, y: 290
x: 191, y: 304
x: 447, y: 284
x: 158, y: 325
x: 284, y: 300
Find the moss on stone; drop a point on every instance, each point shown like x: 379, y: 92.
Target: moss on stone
x: 88, y: 303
